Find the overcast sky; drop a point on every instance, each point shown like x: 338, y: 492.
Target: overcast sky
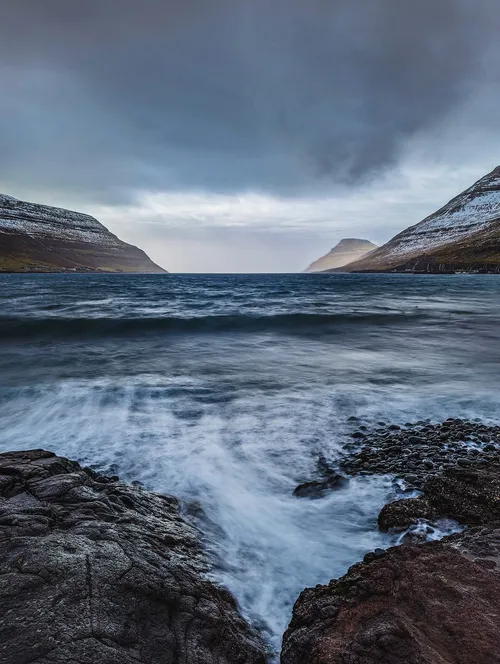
x: 248, y: 135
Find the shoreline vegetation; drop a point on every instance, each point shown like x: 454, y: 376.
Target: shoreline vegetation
x: 100, y: 569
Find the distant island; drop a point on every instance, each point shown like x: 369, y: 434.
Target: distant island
x: 463, y: 236
x: 40, y: 238
x: 346, y: 251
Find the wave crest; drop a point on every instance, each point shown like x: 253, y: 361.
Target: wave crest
x: 51, y: 328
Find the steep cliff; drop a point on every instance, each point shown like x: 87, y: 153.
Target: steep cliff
x: 346, y: 251
x: 462, y: 235
x: 39, y: 238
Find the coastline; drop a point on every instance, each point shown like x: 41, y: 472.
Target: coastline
x: 422, y: 601
x: 69, y: 531
x: 94, y: 570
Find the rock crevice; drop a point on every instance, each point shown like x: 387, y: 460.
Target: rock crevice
x: 93, y: 570
x: 427, y: 603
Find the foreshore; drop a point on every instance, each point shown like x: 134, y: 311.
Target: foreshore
x: 422, y: 602
x: 96, y: 570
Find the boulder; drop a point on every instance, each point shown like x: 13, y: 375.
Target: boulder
x: 93, y: 571
x: 318, y: 488
x: 470, y: 496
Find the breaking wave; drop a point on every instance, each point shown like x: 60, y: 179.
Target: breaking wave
x: 224, y: 391
x: 14, y: 328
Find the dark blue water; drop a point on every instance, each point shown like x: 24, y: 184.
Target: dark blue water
x: 223, y: 390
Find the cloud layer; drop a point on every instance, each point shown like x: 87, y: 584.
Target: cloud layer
x: 103, y: 101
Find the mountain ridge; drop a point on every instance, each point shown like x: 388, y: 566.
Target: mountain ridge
x: 463, y: 235
x: 42, y: 238
x: 347, y: 250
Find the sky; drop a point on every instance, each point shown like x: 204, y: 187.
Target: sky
x: 248, y: 135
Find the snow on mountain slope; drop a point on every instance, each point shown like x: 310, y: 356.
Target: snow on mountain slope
x: 463, y: 234
x: 464, y: 215
x: 346, y: 251
x: 44, y: 221
x: 41, y: 238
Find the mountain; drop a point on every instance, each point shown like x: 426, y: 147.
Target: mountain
x: 464, y: 235
x: 346, y: 251
x: 39, y: 238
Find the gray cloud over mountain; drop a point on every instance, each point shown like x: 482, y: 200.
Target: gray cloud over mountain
x: 105, y: 97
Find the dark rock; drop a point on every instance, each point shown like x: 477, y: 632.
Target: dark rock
x: 317, y: 489
x: 324, y: 468
x: 369, y: 557
x: 95, y: 572
x: 403, y: 513
x: 413, y: 537
x: 470, y: 497
x: 423, y: 444
x: 434, y: 603
x: 373, y: 555
x: 411, y: 478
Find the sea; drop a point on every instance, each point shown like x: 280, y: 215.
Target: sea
x: 225, y: 390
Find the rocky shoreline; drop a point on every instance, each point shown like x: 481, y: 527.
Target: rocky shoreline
x: 411, y: 453
x: 93, y: 570
x: 434, y: 603
x: 423, y: 602
x: 417, y: 451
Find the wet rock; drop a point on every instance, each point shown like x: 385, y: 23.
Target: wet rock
x: 413, y: 537
x: 97, y: 571
x: 469, y: 496
x: 317, y: 489
x: 422, y: 444
x: 426, y: 604
x: 411, y: 478
x: 403, y: 513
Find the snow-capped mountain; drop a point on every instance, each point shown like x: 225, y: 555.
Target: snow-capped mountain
x: 462, y: 235
x: 46, y: 239
x: 346, y: 251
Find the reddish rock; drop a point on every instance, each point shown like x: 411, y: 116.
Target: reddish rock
x: 437, y: 603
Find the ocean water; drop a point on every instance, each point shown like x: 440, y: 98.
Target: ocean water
x: 224, y: 390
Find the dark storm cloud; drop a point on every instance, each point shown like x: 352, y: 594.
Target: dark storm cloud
x: 104, y: 95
